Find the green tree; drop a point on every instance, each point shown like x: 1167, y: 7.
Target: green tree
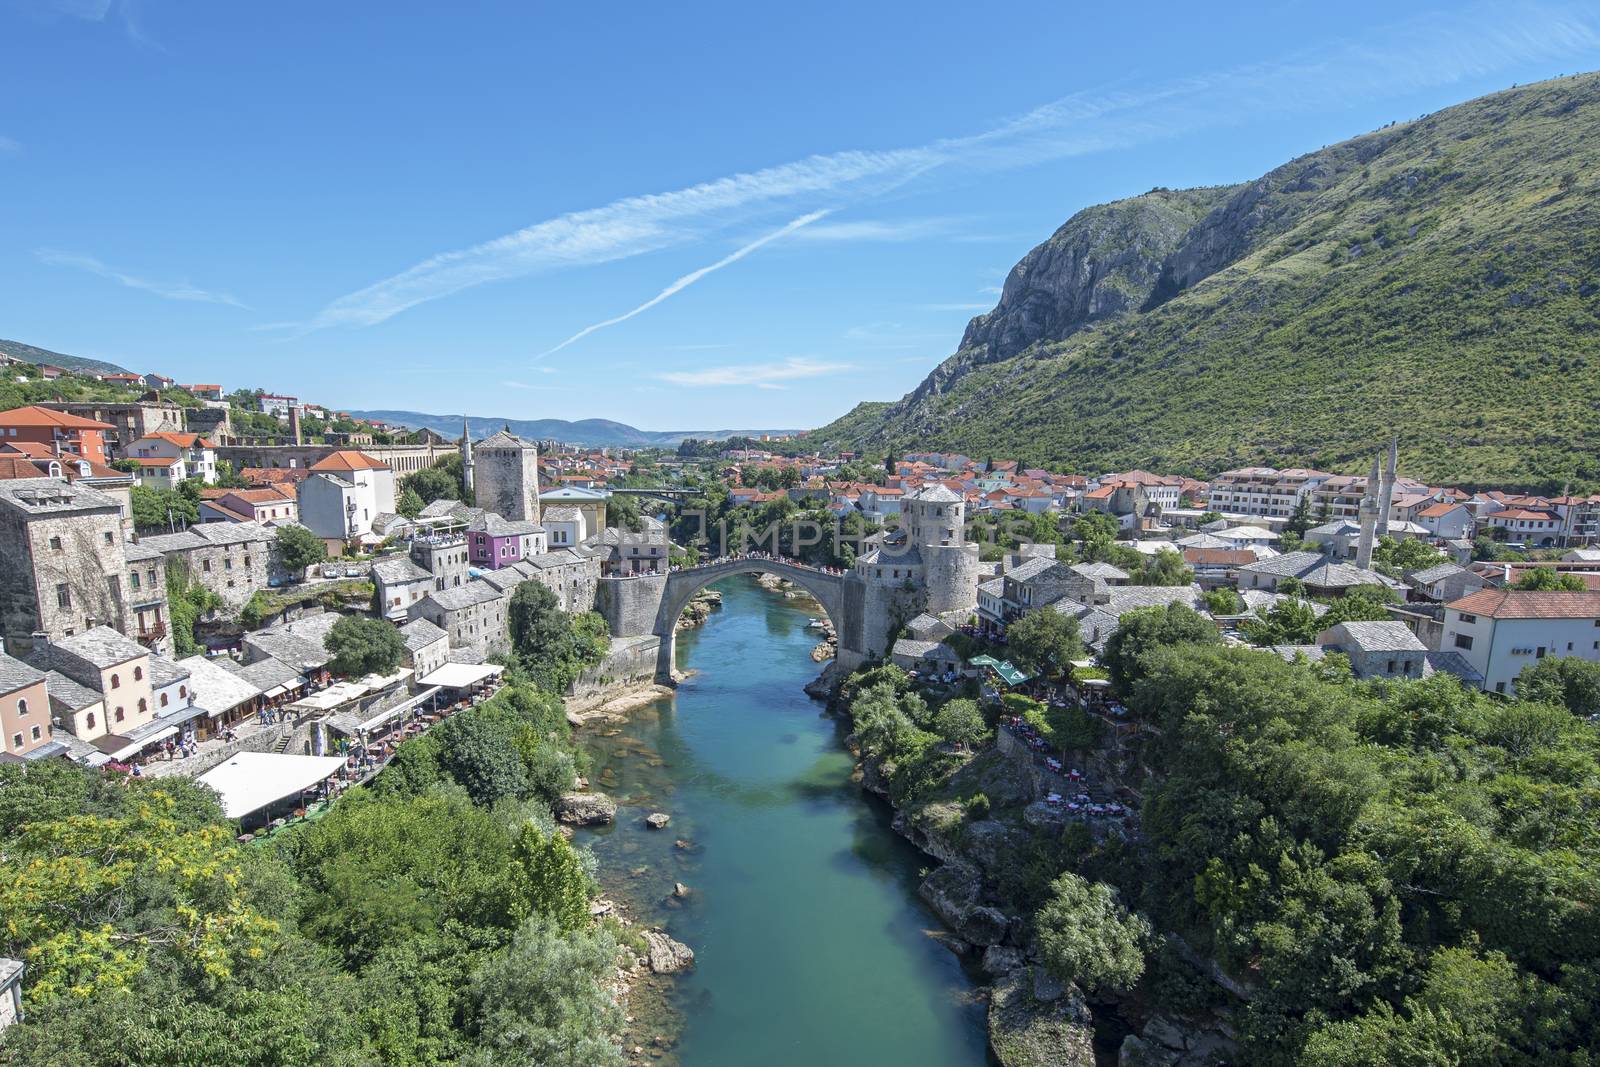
x: 1564, y: 680
x: 187, y: 602
x: 1144, y: 630
x: 545, y: 1000
x: 1288, y: 622
x: 1396, y: 557
x: 409, y: 503
x: 552, y: 646
x: 1224, y: 601
x: 299, y: 548
x: 1086, y: 935
x: 557, y: 883
x: 433, y: 483
x: 622, y: 511
x: 362, y: 645
x: 1166, y: 567
x: 481, y: 754
x: 1548, y: 579
x: 162, y: 510
x: 1044, y: 641
x: 960, y: 723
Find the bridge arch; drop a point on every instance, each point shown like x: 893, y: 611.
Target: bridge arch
x: 828, y: 589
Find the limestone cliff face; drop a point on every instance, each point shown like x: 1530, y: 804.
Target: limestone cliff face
x: 1102, y: 262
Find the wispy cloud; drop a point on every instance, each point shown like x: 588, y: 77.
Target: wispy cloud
x: 1433, y: 49
x: 169, y: 290
x: 689, y: 279
x: 125, y: 11
x: 878, y: 230
x: 760, y: 375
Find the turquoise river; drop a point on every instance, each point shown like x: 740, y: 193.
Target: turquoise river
x: 811, y: 947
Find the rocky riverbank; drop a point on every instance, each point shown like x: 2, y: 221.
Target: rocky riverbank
x: 699, y: 609
x: 1034, y: 1020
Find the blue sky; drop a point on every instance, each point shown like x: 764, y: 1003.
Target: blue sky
x: 678, y: 216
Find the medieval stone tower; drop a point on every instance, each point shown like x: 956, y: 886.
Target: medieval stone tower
x: 936, y: 521
x: 505, y: 474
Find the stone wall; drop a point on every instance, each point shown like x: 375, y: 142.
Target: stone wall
x: 32, y: 570
x: 630, y: 665
x: 630, y: 605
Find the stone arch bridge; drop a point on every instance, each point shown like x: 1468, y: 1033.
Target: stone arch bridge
x: 651, y: 604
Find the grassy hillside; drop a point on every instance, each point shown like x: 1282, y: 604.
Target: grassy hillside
x: 44, y: 355
x: 1438, y: 279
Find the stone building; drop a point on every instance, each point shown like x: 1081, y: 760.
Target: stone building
x: 427, y: 646
x: 147, y: 616
x: 24, y: 709
x: 103, y: 662
x: 232, y: 559
x: 470, y: 615
x: 506, y: 476
x: 129, y: 421
x: 61, y: 561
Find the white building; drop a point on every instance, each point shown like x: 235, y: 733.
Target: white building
x: 1262, y: 491
x: 166, y: 459
x: 273, y: 404
x: 345, y: 491
x: 1501, y: 631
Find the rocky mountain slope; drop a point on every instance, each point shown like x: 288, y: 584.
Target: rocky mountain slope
x: 34, y: 355
x: 1439, y: 279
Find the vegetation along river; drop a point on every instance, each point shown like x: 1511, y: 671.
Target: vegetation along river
x: 811, y: 947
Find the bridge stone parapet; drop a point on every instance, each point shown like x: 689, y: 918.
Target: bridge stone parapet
x: 828, y: 587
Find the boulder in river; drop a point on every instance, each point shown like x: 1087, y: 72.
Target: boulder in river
x: 585, y: 809
x: 667, y: 956
x: 680, y: 890
x: 657, y: 820
x: 1027, y: 1032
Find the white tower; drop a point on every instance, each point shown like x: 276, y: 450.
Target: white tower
x: 1369, y: 517
x: 466, y: 458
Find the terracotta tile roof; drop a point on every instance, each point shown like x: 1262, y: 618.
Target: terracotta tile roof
x: 348, y: 460
x: 1529, y: 604
x: 1521, y: 513
x: 33, y: 415
x: 182, y: 440
x: 153, y: 461
x: 273, y: 475
x: 1219, y: 557
x: 20, y: 467
x: 1438, y: 510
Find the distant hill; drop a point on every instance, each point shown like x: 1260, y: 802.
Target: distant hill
x: 590, y: 433
x: 1436, y: 279
x: 43, y: 355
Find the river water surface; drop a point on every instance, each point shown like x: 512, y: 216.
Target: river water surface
x: 811, y: 947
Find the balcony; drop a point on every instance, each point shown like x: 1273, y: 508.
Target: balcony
x: 151, y: 633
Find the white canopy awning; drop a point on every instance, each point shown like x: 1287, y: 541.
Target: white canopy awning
x: 139, y: 744
x: 388, y: 713
x: 249, y: 781
x: 463, y: 675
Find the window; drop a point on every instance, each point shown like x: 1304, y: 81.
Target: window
x: 89, y: 720
x: 116, y: 681
x: 1539, y: 653
x: 150, y: 576
x: 120, y: 715
x: 144, y: 705
x: 205, y: 565
x: 1468, y: 618
x: 1463, y: 641
x: 22, y: 707
x: 1499, y: 687
x: 55, y: 543
x: 110, y: 538
x: 183, y: 692
x: 163, y: 700
x: 138, y: 674
x: 63, y: 596
x: 133, y: 581
x: 227, y: 564
x: 36, y: 734
x: 16, y: 740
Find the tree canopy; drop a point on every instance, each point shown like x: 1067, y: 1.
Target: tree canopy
x: 299, y: 548
x: 363, y: 645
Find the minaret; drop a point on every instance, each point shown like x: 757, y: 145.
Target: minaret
x: 1369, y: 518
x: 466, y: 458
x: 1386, y: 498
